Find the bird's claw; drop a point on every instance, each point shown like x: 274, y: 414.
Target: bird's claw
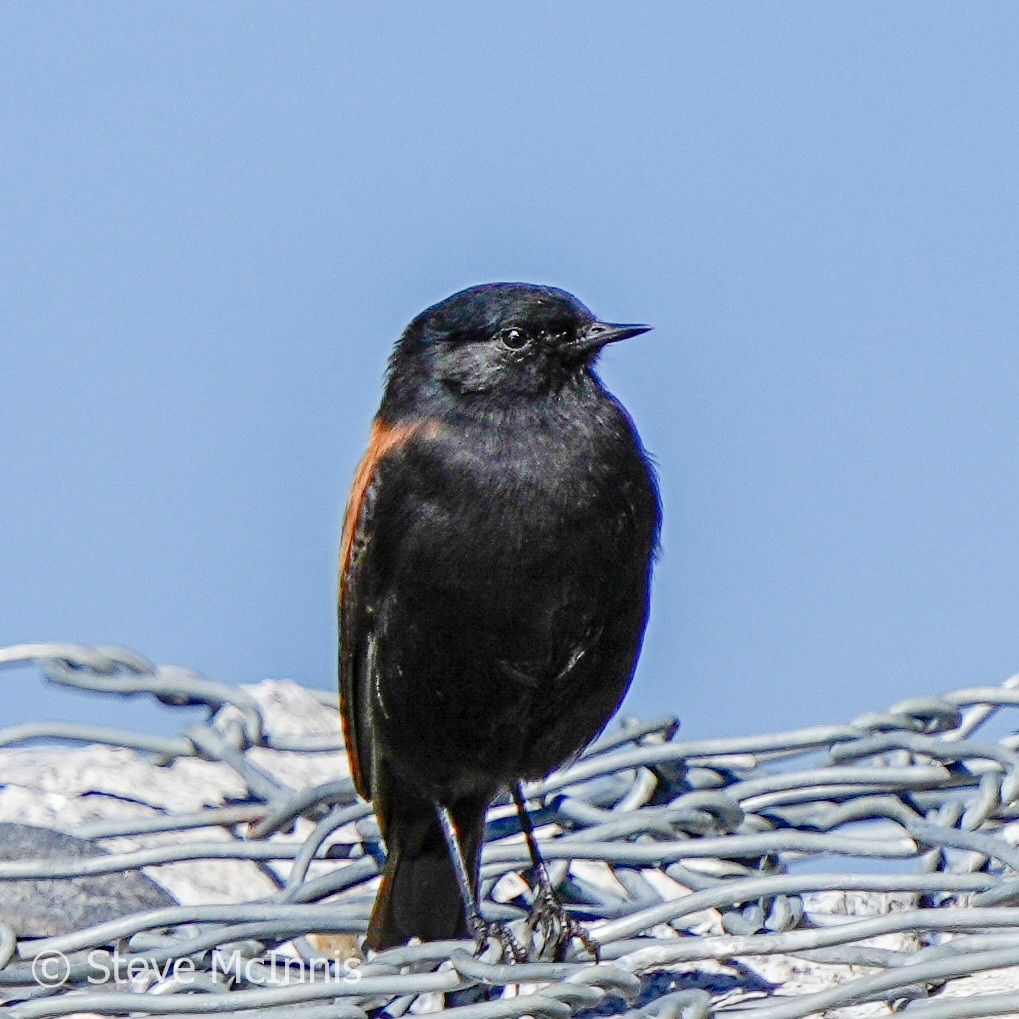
x: 557, y: 928
x: 510, y: 948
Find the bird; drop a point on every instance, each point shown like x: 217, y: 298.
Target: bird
x: 494, y: 586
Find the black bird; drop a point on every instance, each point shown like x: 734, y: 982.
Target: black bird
x: 494, y: 583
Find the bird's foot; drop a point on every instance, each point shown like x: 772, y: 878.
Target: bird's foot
x: 557, y: 928
x: 510, y: 949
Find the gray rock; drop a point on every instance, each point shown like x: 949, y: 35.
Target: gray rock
x: 43, y: 907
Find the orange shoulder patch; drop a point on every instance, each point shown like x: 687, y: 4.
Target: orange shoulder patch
x: 382, y: 439
x: 353, y: 690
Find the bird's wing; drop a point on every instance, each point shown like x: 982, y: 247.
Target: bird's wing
x: 355, y: 597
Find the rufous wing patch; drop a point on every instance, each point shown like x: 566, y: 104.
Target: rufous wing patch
x: 355, y: 538
x: 383, y: 437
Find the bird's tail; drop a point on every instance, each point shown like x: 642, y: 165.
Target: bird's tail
x: 420, y: 896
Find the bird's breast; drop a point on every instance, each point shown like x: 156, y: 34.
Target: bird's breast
x: 513, y: 579
x: 515, y: 493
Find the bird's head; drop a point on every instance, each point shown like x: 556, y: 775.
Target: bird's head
x: 506, y: 340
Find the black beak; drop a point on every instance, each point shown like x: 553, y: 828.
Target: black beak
x: 598, y: 334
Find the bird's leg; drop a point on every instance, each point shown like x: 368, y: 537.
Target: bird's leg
x: 557, y: 926
x: 481, y: 928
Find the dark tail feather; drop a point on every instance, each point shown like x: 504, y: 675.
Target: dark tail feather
x: 419, y: 896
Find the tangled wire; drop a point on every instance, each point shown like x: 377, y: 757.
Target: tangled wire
x: 841, y: 868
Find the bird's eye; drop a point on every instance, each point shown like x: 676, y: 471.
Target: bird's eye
x: 514, y: 338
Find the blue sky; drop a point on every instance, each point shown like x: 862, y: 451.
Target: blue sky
x: 218, y: 217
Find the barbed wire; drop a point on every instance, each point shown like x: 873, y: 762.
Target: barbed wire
x: 876, y: 857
